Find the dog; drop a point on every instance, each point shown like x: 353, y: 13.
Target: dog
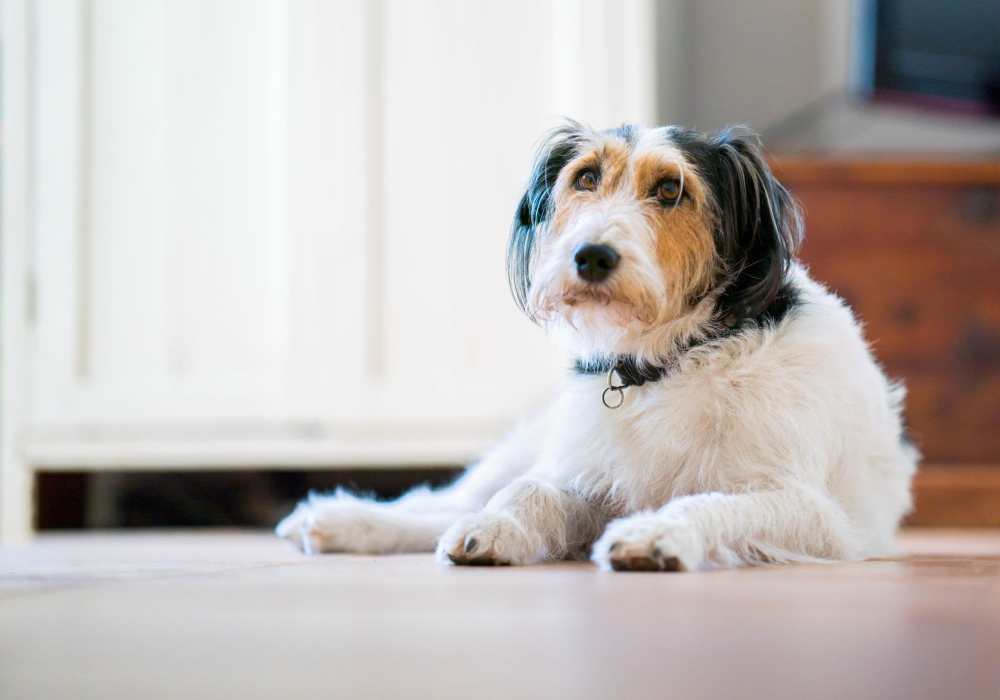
x: 723, y: 409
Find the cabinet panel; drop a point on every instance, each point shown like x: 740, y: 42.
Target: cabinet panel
x: 461, y: 115
x: 200, y: 167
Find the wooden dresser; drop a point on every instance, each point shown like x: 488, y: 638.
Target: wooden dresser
x: 914, y: 246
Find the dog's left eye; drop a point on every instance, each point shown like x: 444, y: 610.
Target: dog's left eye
x: 586, y: 180
x: 668, y: 191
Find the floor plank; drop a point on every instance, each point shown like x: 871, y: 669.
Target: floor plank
x: 242, y: 615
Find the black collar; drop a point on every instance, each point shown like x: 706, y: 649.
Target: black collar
x: 631, y: 372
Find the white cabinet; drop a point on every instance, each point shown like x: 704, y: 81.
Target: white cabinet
x: 261, y: 232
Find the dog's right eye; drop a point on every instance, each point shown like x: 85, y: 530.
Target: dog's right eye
x: 586, y: 180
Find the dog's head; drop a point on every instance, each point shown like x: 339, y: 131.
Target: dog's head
x: 625, y: 234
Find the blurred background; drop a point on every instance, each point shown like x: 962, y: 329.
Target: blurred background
x: 253, y: 247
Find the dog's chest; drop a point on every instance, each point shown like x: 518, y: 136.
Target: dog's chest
x: 642, y: 453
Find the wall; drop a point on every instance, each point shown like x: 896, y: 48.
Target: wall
x: 751, y: 63
x: 758, y: 63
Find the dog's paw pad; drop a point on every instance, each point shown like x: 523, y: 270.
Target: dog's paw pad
x: 648, y: 543
x: 632, y: 558
x: 475, y: 550
x: 484, y: 540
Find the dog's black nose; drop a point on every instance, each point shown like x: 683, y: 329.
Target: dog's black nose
x: 595, y: 262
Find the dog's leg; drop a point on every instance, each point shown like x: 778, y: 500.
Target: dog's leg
x: 723, y: 530
x: 528, y: 521
x: 343, y: 522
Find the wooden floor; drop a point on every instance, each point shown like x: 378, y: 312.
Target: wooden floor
x: 243, y: 616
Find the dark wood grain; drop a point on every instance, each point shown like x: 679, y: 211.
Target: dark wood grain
x: 956, y: 495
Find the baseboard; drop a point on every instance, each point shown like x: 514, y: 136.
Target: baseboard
x: 945, y: 495
x: 951, y: 495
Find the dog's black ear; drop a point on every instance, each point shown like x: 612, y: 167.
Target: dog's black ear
x: 557, y: 149
x: 759, y: 226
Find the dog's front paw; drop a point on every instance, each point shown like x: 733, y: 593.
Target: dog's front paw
x: 292, y: 525
x: 649, y: 542
x: 302, y: 528
x: 338, y: 523
x: 488, y: 539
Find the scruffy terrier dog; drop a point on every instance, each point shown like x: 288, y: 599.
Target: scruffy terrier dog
x: 724, y: 409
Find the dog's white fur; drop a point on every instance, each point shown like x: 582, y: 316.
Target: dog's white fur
x: 778, y: 443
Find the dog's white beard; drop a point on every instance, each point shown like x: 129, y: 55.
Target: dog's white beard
x: 591, y: 328
x: 631, y: 315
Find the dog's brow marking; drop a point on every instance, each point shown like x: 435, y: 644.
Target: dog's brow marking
x: 619, y: 165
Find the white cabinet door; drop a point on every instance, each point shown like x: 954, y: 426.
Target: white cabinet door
x: 274, y: 233
x: 162, y: 241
